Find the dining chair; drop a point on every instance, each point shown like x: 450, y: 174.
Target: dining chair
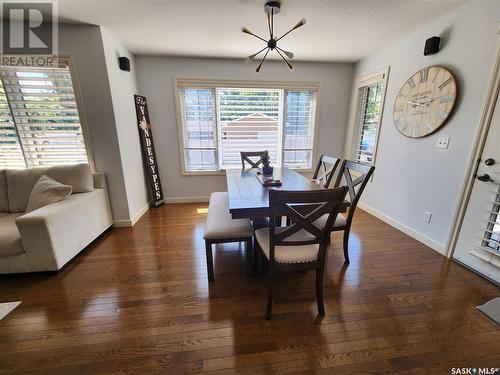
x: 355, y: 176
x: 302, y: 245
x: 325, y: 169
x: 247, y: 155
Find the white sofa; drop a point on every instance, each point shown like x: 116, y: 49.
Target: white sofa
x: 49, y: 237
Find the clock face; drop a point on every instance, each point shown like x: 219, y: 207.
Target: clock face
x: 425, y: 102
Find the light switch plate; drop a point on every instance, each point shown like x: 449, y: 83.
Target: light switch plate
x: 443, y: 142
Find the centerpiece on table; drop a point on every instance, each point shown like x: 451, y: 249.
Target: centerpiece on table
x: 267, y: 170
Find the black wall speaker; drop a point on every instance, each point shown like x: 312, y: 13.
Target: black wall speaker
x: 432, y: 45
x: 124, y: 63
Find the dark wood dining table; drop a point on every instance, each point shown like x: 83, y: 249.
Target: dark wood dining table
x: 248, y: 198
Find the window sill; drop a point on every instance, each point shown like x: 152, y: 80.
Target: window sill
x: 223, y: 172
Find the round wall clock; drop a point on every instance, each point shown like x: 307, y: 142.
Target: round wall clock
x: 425, y: 102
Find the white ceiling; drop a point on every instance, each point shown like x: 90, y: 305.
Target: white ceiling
x: 336, y: 30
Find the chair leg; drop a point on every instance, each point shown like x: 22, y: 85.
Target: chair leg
x: 270, y: 294
x: 210, y: 262
x: 319, y: 291
x: 250, y: 256
x: 346, y: 244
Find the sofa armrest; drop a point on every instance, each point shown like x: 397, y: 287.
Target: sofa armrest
x: 53, y: 234
x: 99, y: 180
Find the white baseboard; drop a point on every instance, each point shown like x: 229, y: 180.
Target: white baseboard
x: 440, y: 248
x: 187, y: 200
x: 134, y: 219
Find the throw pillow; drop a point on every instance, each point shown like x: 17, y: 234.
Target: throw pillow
x: 47, y: 191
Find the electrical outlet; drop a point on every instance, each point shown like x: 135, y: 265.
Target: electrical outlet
x: 427, y: 216
x: 443, y: 142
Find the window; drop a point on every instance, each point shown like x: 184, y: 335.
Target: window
x: 219, y: 121
x: 368, y: 116
x: 39, y: 120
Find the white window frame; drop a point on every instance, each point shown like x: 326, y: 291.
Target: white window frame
x: 180, y: 83
x: 368, y: 79
x: 69, y: 61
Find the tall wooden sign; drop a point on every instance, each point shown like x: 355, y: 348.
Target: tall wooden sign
x: 148, y: 149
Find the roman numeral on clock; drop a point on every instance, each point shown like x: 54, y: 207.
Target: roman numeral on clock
x: 447, y: 98
x: 442, y: 114
x: 424, y: 73
x: 445, y: 83
x: 411, y: 83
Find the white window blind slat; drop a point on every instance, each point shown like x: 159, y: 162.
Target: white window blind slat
x: 299, y: 128
x: 11, y: 154
x: 217, y: 123
x: 199, y: 129
x: 249, y: 120
x: 368, y: 112
x: 44, y: 114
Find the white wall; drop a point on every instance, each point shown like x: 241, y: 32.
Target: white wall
x: 83, y: 44
x: 412, y: 175
x: 156, y: 74
x: 123, y: 86
x: 108, y: 107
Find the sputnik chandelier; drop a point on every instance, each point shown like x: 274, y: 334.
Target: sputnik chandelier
x: 272, y: 8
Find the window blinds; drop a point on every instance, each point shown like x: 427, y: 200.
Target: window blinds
x: 488, y: 243
x: 368, y: 111
x: 44, y: 119
x: 219, y: 122
x: 199, y: 129
x: 299, y: 128
x: 249, y: 120
x: 11, y: 154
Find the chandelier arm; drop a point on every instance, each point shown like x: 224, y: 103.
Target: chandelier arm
x: 287, y: 53
x: 272, y: 22
x: 290, y: 66
x: 246, y: 31
x: 261, y: 61
x: 302, y: 22
x: 269, y: 25
x: 251, y: 57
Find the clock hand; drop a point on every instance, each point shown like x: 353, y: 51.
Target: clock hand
x: 417, y: 103
x: 441, y: 97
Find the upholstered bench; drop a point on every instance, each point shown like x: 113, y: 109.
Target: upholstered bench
x: 221, y: 228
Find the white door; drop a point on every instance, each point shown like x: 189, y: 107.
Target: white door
x: 478, y: 245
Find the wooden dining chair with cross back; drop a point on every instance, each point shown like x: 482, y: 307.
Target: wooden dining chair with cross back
x: 323, y: 175
x: 252, y: 158
x: 302, y: 245
x: 354, y: 176
x: 325, y: 170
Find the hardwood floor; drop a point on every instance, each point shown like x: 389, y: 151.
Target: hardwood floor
x: 137, y: 301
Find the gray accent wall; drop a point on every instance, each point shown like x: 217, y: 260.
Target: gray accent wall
x: 412, y: 175
x: 156, y: 75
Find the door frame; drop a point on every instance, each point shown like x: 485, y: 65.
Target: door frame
x: 477, y: 151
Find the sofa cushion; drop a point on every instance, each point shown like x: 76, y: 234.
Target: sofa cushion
x: 10, y: 239
x: 20, y: 182
x: 4, y: 197
x: 78, y: 176
x: 2, y: 214
x: 47, y: 191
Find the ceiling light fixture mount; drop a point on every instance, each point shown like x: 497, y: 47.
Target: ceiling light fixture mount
x: 272, y: 8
